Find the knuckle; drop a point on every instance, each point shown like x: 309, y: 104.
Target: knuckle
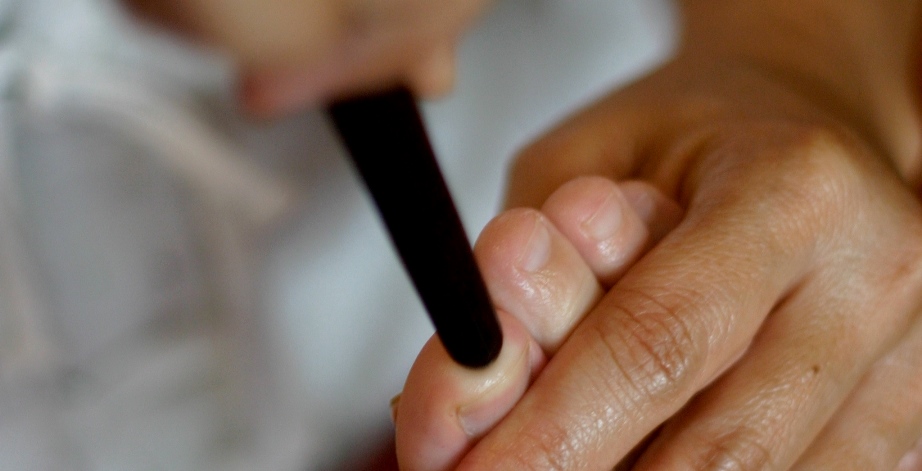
x: 823, y: 174
x: 654, y: 346
x: 743, y: 449
x: 807, y: 179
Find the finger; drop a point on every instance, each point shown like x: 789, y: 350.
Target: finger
x: 880, y: 421
x: 269, y: 94
x: 445, y: 407
x: 256, y: 33
x: 363, y: 66
x: 162, y: 14
x: 546, y: 270
x: 610, y: 225
x: 772, y: 404
x: 646, y: 348
x: 534, y: 273
x: 684, y: 311
x: 811, y: 353
x: 266, y: 92
x: 434, y: 75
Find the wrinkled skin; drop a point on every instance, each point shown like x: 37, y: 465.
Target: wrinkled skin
x: 779, y: 326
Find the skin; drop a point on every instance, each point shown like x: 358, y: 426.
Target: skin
x: 776, y: 327
x: 779, y: 326
x: 293, y: 53
x: 545, y: 270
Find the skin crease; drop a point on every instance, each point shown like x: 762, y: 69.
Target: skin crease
x: 573, y: 268
x: 799, y: 261
x: 790, y: 137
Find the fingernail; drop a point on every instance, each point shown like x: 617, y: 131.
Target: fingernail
x: 605, y: 221
x: 538, y: 249
x: 395, y: 403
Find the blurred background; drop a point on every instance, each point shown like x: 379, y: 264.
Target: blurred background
x: 185, y: 288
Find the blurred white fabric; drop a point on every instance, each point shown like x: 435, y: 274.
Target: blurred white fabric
x: 181, y: 289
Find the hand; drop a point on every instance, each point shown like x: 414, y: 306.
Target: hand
x: 778, y: 327
x: 299, y: 52
x: 544, y: 269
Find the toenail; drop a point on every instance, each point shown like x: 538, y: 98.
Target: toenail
x: 605, y: 221
x: 538, y: 249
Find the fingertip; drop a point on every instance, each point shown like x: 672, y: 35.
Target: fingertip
x: 434, y: 76
x: 273, y: 94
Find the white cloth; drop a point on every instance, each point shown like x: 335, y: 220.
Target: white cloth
x: 181, y: 289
